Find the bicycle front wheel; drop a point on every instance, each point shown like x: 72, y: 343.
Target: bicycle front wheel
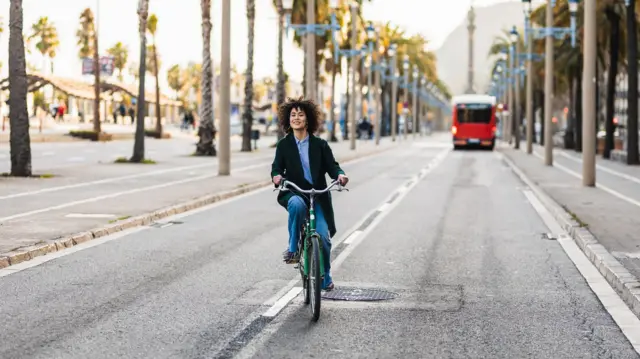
x: 315, y: 281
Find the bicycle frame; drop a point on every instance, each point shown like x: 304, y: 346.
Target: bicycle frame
x: 310, y: 227
x: 306, y: 243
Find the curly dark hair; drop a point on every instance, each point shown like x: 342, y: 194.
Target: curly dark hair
x: 310, y: 109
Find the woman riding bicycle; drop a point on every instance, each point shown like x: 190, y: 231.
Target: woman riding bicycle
x: 304, y: 159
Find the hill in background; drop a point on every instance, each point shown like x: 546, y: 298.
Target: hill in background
x: 452, y: 55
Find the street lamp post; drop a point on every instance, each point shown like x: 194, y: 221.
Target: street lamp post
x: 405, y: 87
x: 589, y: 95
x: 394, y: 90
x: 224, y: 161
x: 379, y: 72
x: 550, y: 33
x: 422, y: 119
x: 516, y: 108
x: 529, y: 94
x: 415, y: 100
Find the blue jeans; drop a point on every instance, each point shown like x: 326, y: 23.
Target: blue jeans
x: 297, y: 214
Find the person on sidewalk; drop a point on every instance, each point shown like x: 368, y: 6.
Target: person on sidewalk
x: 304, y: 159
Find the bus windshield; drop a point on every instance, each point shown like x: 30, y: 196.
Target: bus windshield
x: 473, y: 113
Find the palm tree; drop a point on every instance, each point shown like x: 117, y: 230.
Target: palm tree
x: 176, y: 79
x: 88, y: 40
x: 247, y: 116
x: 47, y: 35
x: 280, y: 89
x: 207, y: 131
x: 152, y: 26
x: 18, y: 115
x: 120, y: 54
x: 138, y: 145
x: 85, y: 34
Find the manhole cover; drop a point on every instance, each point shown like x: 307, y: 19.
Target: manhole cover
x: 357, y: 294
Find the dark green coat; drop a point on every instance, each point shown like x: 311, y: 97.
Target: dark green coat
x: 287, y: 163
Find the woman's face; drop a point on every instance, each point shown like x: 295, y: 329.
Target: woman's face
x: 298, y: 119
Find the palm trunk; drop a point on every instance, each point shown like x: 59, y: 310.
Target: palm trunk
x: 138, y: 146
x: 18, y: 115
x: 280, y: 89
x: 206, y: 130
x: 96, y: 70
x: 632, y: 94
x: 247, y: 116
x: 158, y: 111
x: 614, y: 44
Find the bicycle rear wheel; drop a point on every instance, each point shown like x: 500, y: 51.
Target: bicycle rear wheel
x: 315, y: 281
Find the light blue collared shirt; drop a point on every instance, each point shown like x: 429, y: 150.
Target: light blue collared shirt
x: 303, y: 151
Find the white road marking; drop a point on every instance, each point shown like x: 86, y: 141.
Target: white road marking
x: 89, y: 215
x: 626, y: 320
x: 282, y: 302
x: 352, y: 237
x: 48, y: 153
x: 51, y: 256
x: 75, y: 159
x: 362, y: 235
x: 82, y: 246
x: 117, y: 179
x: 598, y: 185
x: 384, y: 207
x: 603, y: 168
x: 122, y: 193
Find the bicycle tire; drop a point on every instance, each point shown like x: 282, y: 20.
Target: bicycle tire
x: 302, y: 265
x: 315, y: 281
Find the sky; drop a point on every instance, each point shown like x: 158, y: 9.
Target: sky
x: 179, y: 37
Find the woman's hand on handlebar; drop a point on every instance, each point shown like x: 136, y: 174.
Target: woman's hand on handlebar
x: 343, y: 180
x: 277, y: 180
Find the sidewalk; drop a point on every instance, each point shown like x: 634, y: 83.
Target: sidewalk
x: 41, y: 217
x: 604, y: 221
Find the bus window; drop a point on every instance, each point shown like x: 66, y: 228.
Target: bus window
x: 474, y: 113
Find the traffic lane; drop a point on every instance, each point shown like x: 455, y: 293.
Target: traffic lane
x: 47, y: 157
x: 181, y: 290
x: 624, y: 186
x: 475, y: 280
x: 38, y: 199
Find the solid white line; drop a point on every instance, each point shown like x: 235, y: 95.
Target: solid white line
x: 118, y: 194
x: 384, y: 207
x: 621, y: 314
x: 121, y: 178
x: 82, y: 246
x: 353, y: 229
x: 602, y: 187
x: 282, y: 302
x: 347, y: 251
x: 50, y: 256
x: 352, y: 236
x: 603, y: 168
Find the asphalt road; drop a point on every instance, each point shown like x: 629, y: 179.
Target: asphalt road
x: 460, y: 247
x: 50, y: 157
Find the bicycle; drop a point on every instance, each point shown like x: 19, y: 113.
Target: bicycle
x: 311, y: 263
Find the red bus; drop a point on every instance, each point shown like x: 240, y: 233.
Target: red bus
x: 474, y: 121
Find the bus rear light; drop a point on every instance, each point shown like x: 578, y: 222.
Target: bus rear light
x: 454, y: 130
x: 493, y: 129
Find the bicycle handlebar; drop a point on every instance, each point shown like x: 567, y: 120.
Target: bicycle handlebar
x: 284, y: 184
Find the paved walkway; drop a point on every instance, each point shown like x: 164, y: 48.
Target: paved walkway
x: 611, y: 210
x: 85, y: 198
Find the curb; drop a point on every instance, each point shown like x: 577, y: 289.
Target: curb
x: 49, y: 246
x: 620, y: 279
